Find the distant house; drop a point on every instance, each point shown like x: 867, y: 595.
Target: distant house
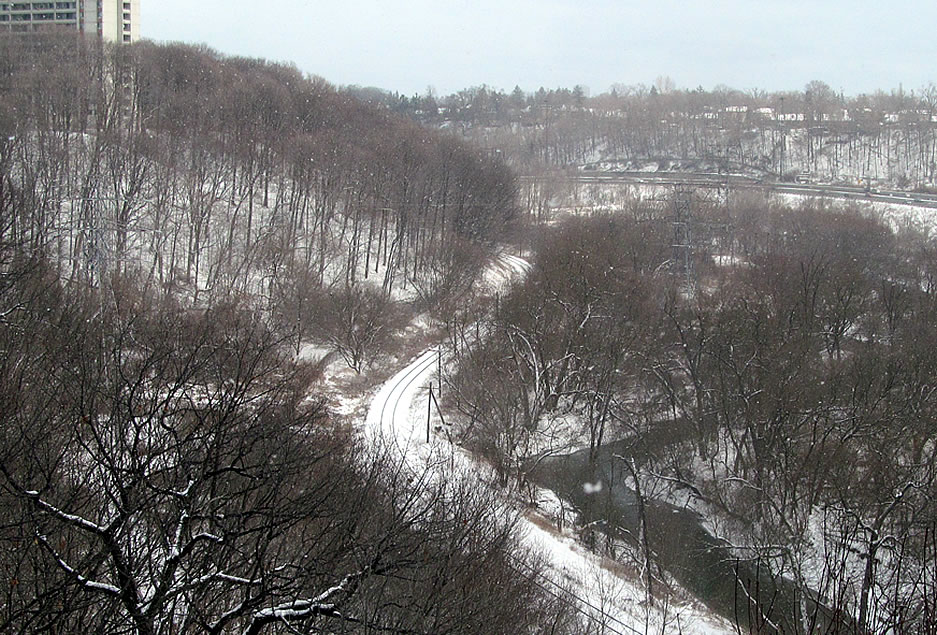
x: 115, y: 21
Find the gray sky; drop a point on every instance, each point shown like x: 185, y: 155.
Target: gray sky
x: 856, y: 46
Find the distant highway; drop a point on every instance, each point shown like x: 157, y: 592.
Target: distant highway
x: 742, y: 182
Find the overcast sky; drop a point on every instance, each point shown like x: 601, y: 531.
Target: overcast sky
x: 856, y: 46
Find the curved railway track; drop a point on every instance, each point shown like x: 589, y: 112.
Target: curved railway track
x: 389, y: 412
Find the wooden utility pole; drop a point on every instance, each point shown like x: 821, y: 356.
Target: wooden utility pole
x: 429, y: 407
x: 429, y: 404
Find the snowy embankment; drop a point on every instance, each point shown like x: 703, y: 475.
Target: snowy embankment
x: 612, y: 602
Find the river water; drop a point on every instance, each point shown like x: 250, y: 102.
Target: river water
x: 703, y: 564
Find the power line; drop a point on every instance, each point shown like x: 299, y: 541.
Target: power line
x: 569, y: 594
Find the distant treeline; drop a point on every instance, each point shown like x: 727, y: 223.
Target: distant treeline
x: 887, y: 136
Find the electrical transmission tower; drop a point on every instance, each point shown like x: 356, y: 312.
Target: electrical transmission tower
x: 682, y: 245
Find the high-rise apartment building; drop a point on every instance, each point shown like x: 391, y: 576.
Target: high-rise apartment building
x: 111, y: 20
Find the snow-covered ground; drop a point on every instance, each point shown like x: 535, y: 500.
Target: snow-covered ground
x: 897, y: 215
x: 620, y: 197
x: 503, y: 271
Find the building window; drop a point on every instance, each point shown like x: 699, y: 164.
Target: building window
x: 126, y: 37
x: 126, y: 6
x: 127, y: 17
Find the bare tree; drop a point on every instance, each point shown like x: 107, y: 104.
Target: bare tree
x: 166, y: 471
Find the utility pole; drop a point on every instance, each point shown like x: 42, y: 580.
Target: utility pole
x: 430, y: 402
x: 429, y: 410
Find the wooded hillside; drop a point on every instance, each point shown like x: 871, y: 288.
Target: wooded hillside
x: 210, y: 174
x: 173, y: 225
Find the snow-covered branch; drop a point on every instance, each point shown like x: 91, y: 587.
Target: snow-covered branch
x: 110, y: 589
x: 72, y: 519
x: 224, y: 577
x: 322, y: 604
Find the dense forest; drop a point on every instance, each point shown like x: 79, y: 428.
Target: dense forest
x: 174, y: 224
x: 783, y: 386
